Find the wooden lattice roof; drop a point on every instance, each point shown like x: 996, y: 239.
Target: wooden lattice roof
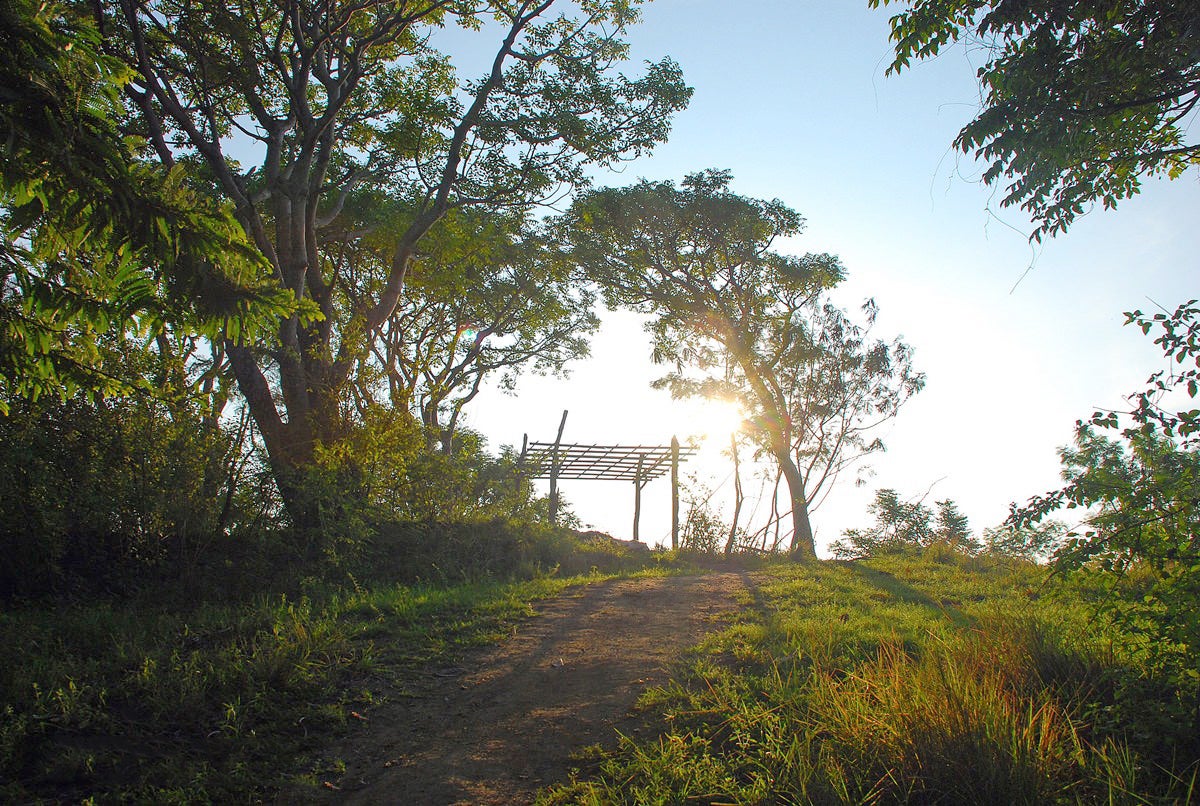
x: 608, y: 462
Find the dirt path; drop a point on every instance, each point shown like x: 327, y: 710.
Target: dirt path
x: 507, y: 721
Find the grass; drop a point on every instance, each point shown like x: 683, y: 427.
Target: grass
x: 116, y: 703
x: 899, y: 680
x: 229, y: 688
x: 902, y: 679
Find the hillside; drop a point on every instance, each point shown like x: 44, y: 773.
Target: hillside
x: 910, y: 678
x: 934, y: 678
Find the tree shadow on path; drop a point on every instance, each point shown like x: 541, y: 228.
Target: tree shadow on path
x: 508, y: 719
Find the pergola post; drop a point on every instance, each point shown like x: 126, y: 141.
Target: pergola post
x: 637, y: 499
x: 520, y: 471
x: 674, y: 493
x: 554, y: 471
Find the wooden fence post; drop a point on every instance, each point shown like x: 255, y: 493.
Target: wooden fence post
x: 519, y: 474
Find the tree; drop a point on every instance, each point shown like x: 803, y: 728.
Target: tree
x: 738, y: 320
x: 331, y: 103
x: 1081, y: 100
x: 898, y: 524
x: 93, y: 242
x: 1034, y: 543
x: 906, y: 524
x: 1140, y: 536
x: 486, y: 300
x: 952, y: 527
x: 739, y: 496
x: 1138, y: 486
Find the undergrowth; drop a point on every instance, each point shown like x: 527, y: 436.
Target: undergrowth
x: 906, y: 680
x: 153, y: 700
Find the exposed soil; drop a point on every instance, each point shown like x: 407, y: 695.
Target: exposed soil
x: 507, y: 720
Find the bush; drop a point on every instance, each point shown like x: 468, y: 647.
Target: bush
x: 498, y: 549
x: 703, y: 531
x: 905, y: 525
x: 98, y: 497
x: 384, y: 473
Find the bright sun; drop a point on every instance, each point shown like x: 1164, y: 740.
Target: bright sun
x: 711, y: 419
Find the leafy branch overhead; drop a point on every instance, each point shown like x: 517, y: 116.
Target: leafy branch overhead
x: 1080, y: 100
x: 94, y: 240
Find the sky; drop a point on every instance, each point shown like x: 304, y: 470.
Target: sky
x: 1017, y: 341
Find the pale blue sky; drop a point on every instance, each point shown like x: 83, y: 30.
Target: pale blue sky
x: 792, y: 98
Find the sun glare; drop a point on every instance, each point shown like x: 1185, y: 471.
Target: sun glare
x: 711, y: 419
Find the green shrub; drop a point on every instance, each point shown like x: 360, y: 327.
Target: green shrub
x: 498, y: 549
x: 100, y: 497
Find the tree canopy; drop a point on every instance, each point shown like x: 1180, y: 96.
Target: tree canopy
x: 736, y: 319
x: 321, y: 124
x: 1080, y: 100
x: 906, y: 524
x: 487, y: 300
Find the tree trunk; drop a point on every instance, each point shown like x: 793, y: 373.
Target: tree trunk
x: 738, y: 497
x: 803, y: 546
x: 312, y: 418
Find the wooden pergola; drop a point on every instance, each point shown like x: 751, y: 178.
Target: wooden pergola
x: 639, y: 464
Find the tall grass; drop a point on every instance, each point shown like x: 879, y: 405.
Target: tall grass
x: 158, y: 706
x: 903, y: 680
x: 962, y: 723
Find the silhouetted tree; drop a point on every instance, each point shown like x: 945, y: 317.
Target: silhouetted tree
x: 736, y: 319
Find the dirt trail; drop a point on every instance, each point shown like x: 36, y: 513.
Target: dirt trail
x: 506, y: 721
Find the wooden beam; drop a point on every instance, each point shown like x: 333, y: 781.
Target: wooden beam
x: 614, y: 462
x: 640, y: 464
